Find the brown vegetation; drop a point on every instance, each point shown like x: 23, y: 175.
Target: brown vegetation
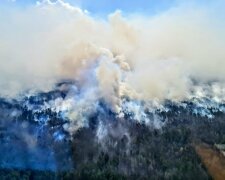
x: 213, y: 160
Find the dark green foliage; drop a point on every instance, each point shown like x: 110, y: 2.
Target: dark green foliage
x: 146, y: 154
x: 138, y: 153
x: 26, y: 175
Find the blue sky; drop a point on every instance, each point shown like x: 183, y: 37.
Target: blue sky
x: 103, y: 7
x: 129, y: 6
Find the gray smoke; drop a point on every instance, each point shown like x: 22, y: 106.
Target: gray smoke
x: 147, y: 59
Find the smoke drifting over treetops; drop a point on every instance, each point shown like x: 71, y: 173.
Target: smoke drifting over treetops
x: 144, y: 58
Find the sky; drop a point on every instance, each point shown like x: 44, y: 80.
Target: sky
x: 108, y: 6
x: 104, y: 7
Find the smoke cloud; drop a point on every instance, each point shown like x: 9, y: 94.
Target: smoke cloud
x: 143, y: 58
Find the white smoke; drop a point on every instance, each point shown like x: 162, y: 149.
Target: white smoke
x: 143, y: 58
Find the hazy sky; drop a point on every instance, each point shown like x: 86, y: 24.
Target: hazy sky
x: 107, y: 6
x: 103, y: 7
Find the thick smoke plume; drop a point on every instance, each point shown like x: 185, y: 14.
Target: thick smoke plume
x: 169, y: 56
